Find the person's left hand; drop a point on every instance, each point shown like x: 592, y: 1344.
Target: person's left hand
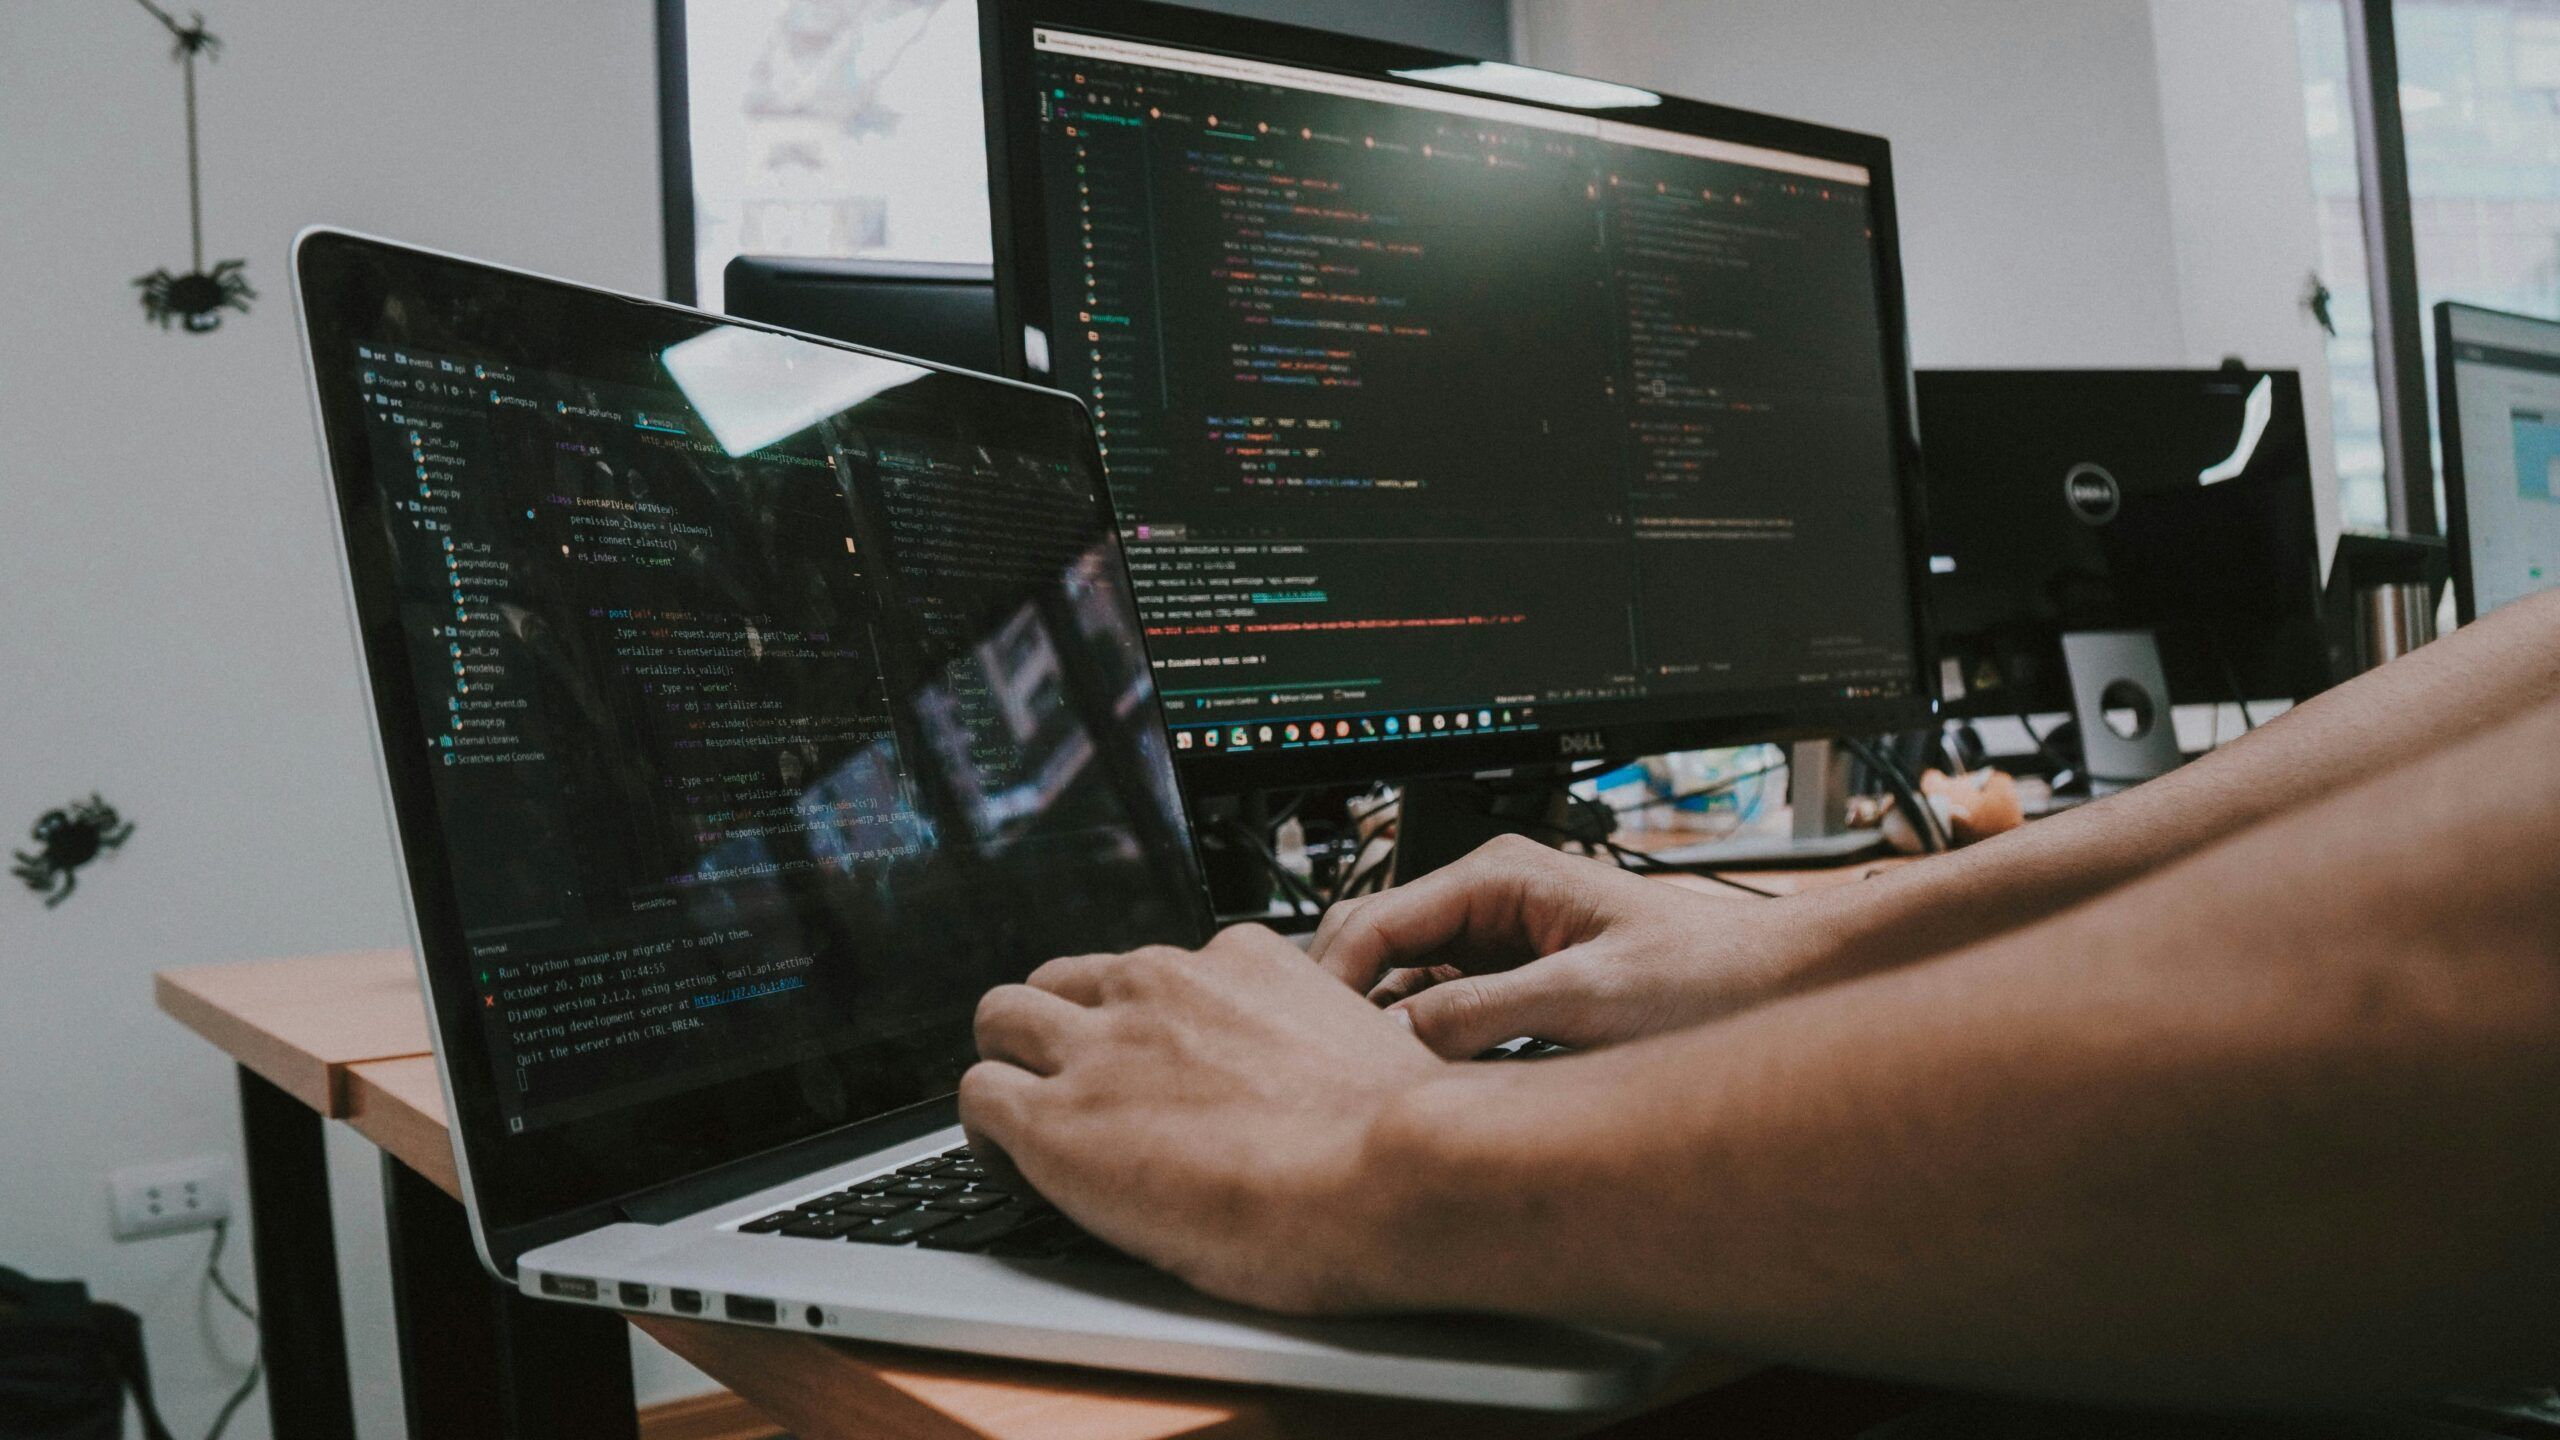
x: 1210, y: 1113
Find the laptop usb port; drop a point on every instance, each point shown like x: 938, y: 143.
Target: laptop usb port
x: 748, y: 1307
x: 686, y: 1302
x: 569, y: 1287
x: 634, y: 1296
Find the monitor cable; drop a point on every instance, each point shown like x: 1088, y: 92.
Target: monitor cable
x: 1924, y: 817
x: 1303, y: 900
x: 2065, y: 770
x: 2239, y: 696
x: 1639, y: 863
x: 221, y: 1286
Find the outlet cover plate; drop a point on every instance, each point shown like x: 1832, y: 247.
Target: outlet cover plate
x: 167, y: 1197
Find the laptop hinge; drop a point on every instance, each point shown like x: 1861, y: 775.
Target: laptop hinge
x: 713, y: 1188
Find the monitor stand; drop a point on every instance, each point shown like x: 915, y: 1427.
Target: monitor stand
x: 1818, y: 779
x: 1440, y: 822
x: 2120, y: 704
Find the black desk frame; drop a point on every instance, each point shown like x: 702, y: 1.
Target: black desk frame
x: 477, y: 1360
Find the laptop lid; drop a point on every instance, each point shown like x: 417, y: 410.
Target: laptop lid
x: 749, y: 705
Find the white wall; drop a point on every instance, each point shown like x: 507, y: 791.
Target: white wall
x: 171, y: 631
x: 2246, y: 226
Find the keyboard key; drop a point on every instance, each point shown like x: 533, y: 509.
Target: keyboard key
x: 767, y: 1224
x: 876, y: 1207
x: 899, y: 1229
x: 925, y: 1189
x: 832, y: 1227
x: 969, y: 1204
x: 963, y: 1170
x: 978, y: 1231
x: 923, y: 1167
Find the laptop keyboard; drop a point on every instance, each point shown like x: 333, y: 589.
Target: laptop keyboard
x: 947, y: 1202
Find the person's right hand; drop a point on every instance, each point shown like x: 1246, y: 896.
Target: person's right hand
x: 1518, y: 939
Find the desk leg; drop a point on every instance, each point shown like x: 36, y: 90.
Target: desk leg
x: 302, y: 1333
x: 478, y: 1360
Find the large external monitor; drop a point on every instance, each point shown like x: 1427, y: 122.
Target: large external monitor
x: 1461, y: 417
x: 2173, y: 501
x: 2498, y: 388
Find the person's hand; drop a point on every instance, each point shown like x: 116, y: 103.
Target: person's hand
x: 1518, y: 939
x: 1210, y: 1113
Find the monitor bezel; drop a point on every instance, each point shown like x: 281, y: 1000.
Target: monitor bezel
x: 1005, y: 38
x: 2457, y: 480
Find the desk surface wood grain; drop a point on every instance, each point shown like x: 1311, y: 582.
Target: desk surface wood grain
x: 301, y: 1022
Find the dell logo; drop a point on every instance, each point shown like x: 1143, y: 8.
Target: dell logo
x: 1587, y: 742
x: 2092, y: 494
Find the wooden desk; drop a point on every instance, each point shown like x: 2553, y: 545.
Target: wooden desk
x: 337, y: 1035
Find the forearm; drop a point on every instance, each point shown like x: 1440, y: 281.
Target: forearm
x: 2458, y: 687
x: 2275, y: 1122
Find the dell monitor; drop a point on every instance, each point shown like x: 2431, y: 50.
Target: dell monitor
x: 938, y: 312
x: 2082, y: 502
x: 1460, y: 417
x: 2498, y: 390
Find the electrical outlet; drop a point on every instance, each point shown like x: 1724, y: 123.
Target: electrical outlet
x: 168, y: 1197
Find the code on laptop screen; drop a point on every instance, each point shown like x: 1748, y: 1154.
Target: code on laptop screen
x: 773, y: 710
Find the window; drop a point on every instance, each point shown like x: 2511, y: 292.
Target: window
x: 2479, y: 100
x: 2355, y: 399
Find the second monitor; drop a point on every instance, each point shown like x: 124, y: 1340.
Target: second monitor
x: 2174, y: 502
x: 1450, y: 429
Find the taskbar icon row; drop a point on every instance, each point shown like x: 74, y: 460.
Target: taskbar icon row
x: 1354, y: 730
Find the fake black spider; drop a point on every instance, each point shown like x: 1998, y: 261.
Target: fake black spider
x: 192, y: 39
x: 197, y: 298
x: 72, y: 837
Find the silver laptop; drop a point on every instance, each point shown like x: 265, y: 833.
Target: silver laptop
x: 748, y: 706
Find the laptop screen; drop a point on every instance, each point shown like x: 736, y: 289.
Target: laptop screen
x: 751, y: 706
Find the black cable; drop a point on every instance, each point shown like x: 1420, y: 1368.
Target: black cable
x: 257, y: 1365
x: 1638, y: 861
x: 2064, y: 771
x: 1299, y: 891
x: 1643, y: 864
x: 1359, y: 880
x: 2239, y: 695
x: 1951, y: 753
x: 1287, y: 813
x: 1924, y: 819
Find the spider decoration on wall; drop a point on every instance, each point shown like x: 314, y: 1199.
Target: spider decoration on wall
x: 196, y: 299
x: 72, y: 837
